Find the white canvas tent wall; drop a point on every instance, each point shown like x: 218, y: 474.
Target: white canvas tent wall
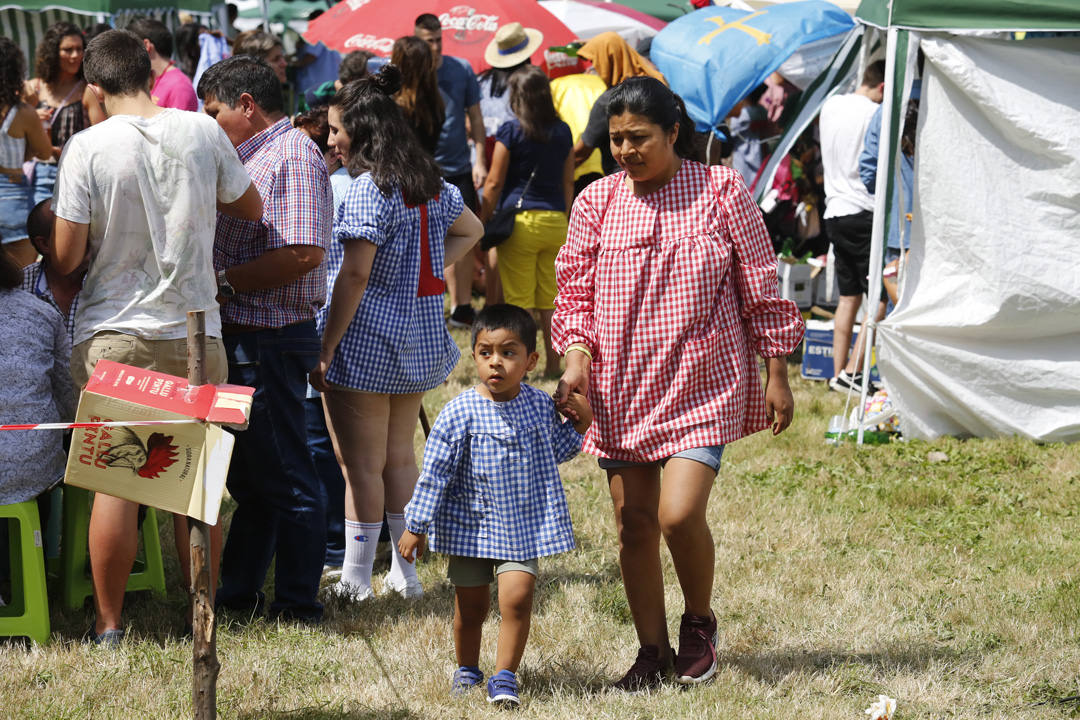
x: 985, y: 339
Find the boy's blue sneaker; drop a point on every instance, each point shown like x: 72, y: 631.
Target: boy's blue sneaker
x: 465, y: 679
x: 502, y: 689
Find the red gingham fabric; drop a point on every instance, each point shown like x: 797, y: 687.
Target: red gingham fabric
x: 290, y: 174
x: 673, y: 292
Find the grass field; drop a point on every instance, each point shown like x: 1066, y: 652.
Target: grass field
x: 841, y: 573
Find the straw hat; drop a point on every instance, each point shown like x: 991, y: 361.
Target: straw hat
x: 512, y: 45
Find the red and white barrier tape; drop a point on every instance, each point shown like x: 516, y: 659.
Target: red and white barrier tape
x: 116, y: 423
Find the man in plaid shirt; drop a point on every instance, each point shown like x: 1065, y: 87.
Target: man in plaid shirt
x: 271, y: 279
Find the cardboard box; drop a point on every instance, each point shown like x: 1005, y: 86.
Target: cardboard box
x: 817, y: 359
x: 795, y: 283
x: 826, y: 291
x: 180, y: 468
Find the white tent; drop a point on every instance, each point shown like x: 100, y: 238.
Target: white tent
x: 985, y: 339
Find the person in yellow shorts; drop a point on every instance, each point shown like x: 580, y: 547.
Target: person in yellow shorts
x: 532, y: 161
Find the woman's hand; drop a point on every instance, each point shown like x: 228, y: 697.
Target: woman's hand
x: 317, y: 377
x: 44, y: 114
x: 411, y: 546
x: 574, y: 379
x: 779, y: 403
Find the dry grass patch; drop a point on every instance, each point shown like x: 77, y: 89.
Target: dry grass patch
x: 841, y: 573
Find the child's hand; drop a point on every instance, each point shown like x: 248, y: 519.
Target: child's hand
x: 576, y: 408
x: 411, y: 545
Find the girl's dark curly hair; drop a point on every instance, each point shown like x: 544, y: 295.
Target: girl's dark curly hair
x: 48, y: 51
x: 12, y: 69
x: 382, y: 142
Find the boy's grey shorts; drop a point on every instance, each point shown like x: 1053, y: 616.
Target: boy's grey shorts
x: 474, y: 572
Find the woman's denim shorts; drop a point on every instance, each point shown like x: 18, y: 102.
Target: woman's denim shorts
x: 709, y: 455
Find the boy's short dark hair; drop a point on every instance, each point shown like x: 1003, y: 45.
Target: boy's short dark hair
x: 353, y: 66
x: 116, y: 61
x: 154, y: 31
x: 428, y: 22
x: 38, y: 222
x: 516, y: 319
x: 874, y: 74
x: 227, y: 80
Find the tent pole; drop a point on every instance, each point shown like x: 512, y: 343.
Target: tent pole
x: 882, y: 195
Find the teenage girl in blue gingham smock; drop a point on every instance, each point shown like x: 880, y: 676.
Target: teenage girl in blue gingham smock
x: 384, y: 341
x: 398, y: 341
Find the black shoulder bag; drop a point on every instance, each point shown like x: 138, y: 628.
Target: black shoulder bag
x: 501, y: 224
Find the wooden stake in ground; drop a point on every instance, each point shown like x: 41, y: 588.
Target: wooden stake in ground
x: 205, y: 664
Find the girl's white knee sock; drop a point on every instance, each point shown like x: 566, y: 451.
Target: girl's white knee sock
x: 360, y: 542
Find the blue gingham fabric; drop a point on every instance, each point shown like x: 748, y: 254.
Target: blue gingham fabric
x: 490, y: 486
x: 397, y: 342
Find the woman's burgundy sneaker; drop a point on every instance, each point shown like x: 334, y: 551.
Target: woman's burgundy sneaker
x: 648, y: 671
x: 696, y: 661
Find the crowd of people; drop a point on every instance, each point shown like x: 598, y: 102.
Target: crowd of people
x: 322, y: 246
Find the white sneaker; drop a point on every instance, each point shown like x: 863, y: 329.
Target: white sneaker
x: 331, y: 572
x: 349, y: 593
x: 410, y: 589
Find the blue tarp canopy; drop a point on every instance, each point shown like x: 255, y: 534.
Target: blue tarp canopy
x: 715, y: 56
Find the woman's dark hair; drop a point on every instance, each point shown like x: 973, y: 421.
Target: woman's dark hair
x: 12, y: 70
x: 419, y: 97
x: 648, y: 97
x: 530, y: 100
x: 10, y: 273
x: 187, y: 47
x: 500, y: 77
x: 47, y: 61
x: 316, y: 125
x: 911, y: 125
x: 382, y: 143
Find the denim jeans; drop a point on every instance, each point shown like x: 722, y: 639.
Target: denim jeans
x: 44, y: 182
x: 330, y: 480
x: 14, y: 207
x: 280, y: 510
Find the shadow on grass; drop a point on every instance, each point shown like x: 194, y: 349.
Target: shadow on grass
x: 774, y: 667
x: 331, y: 713
x: 548, y: 677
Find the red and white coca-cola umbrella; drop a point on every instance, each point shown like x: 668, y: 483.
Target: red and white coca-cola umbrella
x: 468, y: 25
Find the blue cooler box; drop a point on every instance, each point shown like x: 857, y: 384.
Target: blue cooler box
x: 817, y: 359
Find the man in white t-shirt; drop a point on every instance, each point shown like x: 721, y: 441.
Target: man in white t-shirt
x: 138, y: 195
x: 849, y: 210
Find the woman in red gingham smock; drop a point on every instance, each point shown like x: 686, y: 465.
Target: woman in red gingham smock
x: 667, y: 295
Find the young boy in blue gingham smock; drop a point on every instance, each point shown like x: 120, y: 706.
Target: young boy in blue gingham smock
x: 490, y: 495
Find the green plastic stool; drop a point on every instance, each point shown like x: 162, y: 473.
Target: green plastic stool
x: 146, y: 574
x: 28, y: 612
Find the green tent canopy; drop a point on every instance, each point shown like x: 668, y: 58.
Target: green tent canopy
x: 283, y: 11
x: 26, y: 21
x: 965, y: 15
x: 93, y: 7
x: 663, y: 9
